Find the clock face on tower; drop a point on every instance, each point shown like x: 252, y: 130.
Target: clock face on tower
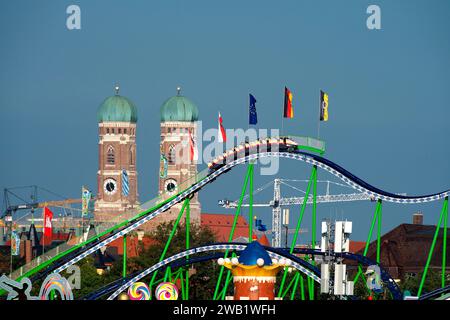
x: 110, y: 186
x: 170, y: 186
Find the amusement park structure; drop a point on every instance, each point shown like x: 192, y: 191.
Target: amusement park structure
x: 278, y: 202
x: 304, y: 149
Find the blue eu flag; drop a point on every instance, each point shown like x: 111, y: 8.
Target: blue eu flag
x: 253, y: 117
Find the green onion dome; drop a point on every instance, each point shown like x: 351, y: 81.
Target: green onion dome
x: 179, y: 108
x: 117, y: 108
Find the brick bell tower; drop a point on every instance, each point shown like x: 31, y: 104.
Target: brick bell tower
x: 178, y: 167
x: 117, y: 174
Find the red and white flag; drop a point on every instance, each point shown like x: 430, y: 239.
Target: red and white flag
x: 222, y: 135
x: 193, y: 147
x: 48, y: 228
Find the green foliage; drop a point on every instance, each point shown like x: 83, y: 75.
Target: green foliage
x: 201, y: 283
x: 360, y: 288
x: 432, y: 282
x: 90, y: 279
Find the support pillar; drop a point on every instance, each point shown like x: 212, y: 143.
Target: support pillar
x: 250, y: 208
x: 188, y: 223
x: 444, y: 212
x: 172, y: 233
x: 216, y: 295
x: 297, y: 229
x: 124, y: 267
x: 369, y: 237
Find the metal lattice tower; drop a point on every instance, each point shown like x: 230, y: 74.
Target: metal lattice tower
x: 276, y: 214
x: 278, y: 202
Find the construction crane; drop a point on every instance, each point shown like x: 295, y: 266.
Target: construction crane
x: 261, y: 228
x: 34, y: 204
x: 278, y: 202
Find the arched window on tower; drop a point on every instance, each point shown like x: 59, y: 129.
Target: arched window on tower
x: 171, y: 157
x: 131, y: 156
x: 110, y: 157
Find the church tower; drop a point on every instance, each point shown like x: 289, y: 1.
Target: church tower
x: 117, y: 174
x: 178, y: 168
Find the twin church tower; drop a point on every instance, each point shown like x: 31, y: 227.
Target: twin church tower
x: 117, y: 176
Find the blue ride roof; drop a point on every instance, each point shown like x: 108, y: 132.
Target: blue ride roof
x: 252, y: 253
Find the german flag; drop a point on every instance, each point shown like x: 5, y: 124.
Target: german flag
x: 323, y: 106
x: 288, y: 110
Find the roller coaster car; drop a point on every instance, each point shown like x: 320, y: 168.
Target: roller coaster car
x: 282, y: 144
x: 214, y: 167
x: 286, y: 144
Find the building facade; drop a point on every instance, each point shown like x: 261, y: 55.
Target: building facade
x: 404, y: 250
x: 178, y: 167
x: 117, y: 174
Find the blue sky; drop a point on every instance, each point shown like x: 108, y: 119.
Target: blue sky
x: 388, y: 110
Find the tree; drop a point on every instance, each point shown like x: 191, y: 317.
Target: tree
x: 432, y: 282
x: 203, y: 280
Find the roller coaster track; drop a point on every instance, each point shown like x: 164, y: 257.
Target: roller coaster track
x: 178, y: 260
x: 435, y: 294
x: 73, y: 255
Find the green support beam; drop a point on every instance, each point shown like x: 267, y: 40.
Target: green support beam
x: 314, y: 207
x: 444, y: 245
x: 379, y: 235
x: 299, y: 222
x: 227, y: 282
x: 183, y: 289
x: 172, y: 233
x: 369, y: 237
x: 444, y: 212
x: 291, y: 283
x: 302, y: 288
x: 168, y: 274
x: 313, y: 227
x: 297, y: 276
x: 233, y: 227
x: 124, y: 267
x: 250, y: 208
x: 188, y: 234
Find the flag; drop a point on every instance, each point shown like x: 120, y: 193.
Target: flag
x: 260, y: 226
x: 85, y: 199
x: 163, y: 166
x: 222, y: 135
x: 288, y: 109
x: 193, y: 147
x: 125, y: 184
x: 253, y: 117
x: 15, y: 243
x: 48, y: 228
x: 323, y: 106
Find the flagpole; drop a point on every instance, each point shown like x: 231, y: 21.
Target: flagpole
x: 282, y: 115
x: 318, y: 124
x: 43, y: 234
x: 249, y: 107
x: 10, y: 251
x: 82, y: 215
x: 318, y: 128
